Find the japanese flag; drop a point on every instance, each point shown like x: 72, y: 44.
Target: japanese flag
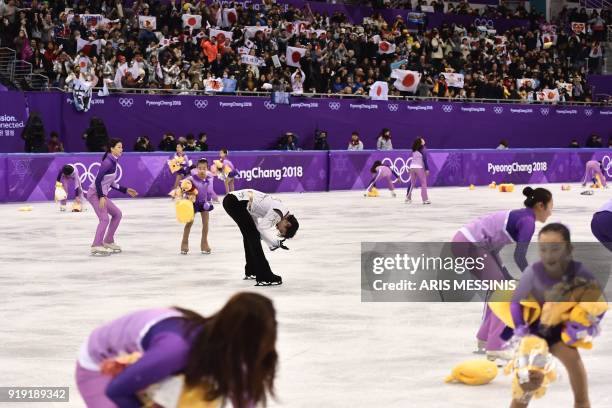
x: 385, y: 47
x: 291, y: 29
x: 192, y: 21
x: 406, y: 80
x: 548, y: 95
x: 84, y: 63
x: 230, y: 17
x: 250, y: 31
x: 301, y: 26
x: 145, y: 22
x: 213, y: 85
x: 220, y: 35
x: 578, y: 28
x: 379, y: 91
x: 294, y: 55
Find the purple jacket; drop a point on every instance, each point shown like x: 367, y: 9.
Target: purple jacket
x: 204, y: 187
x: 105, y: 180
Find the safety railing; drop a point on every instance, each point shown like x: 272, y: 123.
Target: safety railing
x: 415, y: 99
x: 20, y: 72
x: 7, y: 60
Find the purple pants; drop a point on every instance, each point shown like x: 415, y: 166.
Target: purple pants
x: 65, y: 185
x: 106, y: 225
x: 591, y: 172
x: 601, y: 226
x: 92, y: 387
x: 491, y: 327
x: 420, y: 173
x: 389, y: 183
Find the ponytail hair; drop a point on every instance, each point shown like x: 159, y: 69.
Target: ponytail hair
x: 417, y: 145
x: 375, y: 165
x: 112, y: 143
x: 534, y: 196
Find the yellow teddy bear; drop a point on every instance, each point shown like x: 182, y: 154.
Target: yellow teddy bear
x: 176, y: 164
x: 473, y: 372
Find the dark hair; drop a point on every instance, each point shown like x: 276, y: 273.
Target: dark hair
x: 203, y: 161
x: 417, y: 144
x: 53, y: 134
x: 233, y: 353
x: 559, y: 229
x: 503, y: 142
x: 385, y: 130
x: 356, y: 133
x: 180, y: 144
x: 375, y: 165
x: 67, y: 170
x: 293, y: 227
x: 202, y: 134
x: 539, y: 195
x: 112, y: 143
x: 189, y: 136
x: 224, y: 150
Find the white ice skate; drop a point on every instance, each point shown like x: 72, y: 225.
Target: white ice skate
x: 426, y: 202
x: 99, y: 251
x: 481, y: 347
x: 500, y: 357
x: 206, y: 252
x: 393, y: 194
x: 408, y: 200
x: 113, y: 248
x: 62, y: 208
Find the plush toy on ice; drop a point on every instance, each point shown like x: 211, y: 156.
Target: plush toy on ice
x: 473, y: 372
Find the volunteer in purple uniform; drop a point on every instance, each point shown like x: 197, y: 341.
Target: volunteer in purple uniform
x: 485, y: 237
x: 106, y: 210
x: 228, y: 179
x: 601, y: 225
x: 203, y: 182
x: 382, y: 172
x: 593, y: 168
x: 186, y: 166
x: 419, y: 169
x: 238, y: 342
x: 555, y: 269
x: 69, y: 174
x: 256, y: 213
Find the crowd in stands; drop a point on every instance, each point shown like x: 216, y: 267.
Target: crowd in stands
x: 116, y: 50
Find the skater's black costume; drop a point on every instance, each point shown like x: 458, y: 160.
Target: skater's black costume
x: 256, y: 213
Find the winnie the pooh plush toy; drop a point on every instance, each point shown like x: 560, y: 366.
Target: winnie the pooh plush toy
x: 531, y: 369
x: 473, y: 372
x: 188, y: 190
x: 176, y: 164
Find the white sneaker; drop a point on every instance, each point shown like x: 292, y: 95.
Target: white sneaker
x: 114, y: 248
x: 426, y: 202
x: 99, y: 251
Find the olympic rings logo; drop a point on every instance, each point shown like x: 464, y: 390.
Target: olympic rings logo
x: 400, y: 166
x: 126, y: 102
x: 588, y: 112
x: 447, y: 108
x: 544, y: 111
x: 200, y: 103
x: 87, y: 173
x: 484, y: 22
x: 334, y: 105
x: 606, y: 163
x: 269, y: 105
x: 393, y: 107
x: 498, y: 109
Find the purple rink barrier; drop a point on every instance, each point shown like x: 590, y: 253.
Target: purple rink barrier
x: 251, y: 123
x: 351, y: 170
x: 32, y: 177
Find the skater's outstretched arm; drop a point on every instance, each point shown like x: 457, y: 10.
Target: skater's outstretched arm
x: 372, y: 182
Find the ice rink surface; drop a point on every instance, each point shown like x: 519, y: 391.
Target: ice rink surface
x: 334, y: 350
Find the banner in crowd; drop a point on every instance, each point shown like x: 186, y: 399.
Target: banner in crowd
x: 251, y: 123
x: 32, y: 177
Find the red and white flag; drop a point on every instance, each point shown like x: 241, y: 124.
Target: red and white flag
x: 250, y: 31
x: 87, y: 46
x: 230, y: 17
x: 379, y: 91
x: 290, y: 28
x: 145, y: 22
x: 578, y: 28
x: 406, y: 80
x: 192, y: 21
x: 453, y: 79
x: 91, y: 21
x: 385, y: 47
x: 220, y: 35
x: 294, y: 55
x: 321, y: 34
x: 548, y: 95
x: 213, y: 85
x: 84, y: 63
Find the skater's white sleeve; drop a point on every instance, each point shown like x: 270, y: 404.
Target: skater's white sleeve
x: 266, y: 234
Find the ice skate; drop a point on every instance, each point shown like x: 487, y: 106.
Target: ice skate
x: 481, y: 347
x: 206, y: 251
x: 272, y: 280
x: 426, y: 202
x: 408, y: 200
x: 250, y: 277
x: 500, y: 357
x: 99, y: 251
x: 393, y: 194
x: 113, y: 248
x: 62, y: 208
